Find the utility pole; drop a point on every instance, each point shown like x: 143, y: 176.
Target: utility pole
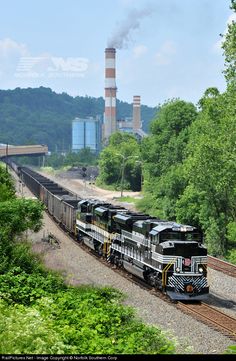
x: 122, y: 176
x: 6, y: 157
x: 141, y: 173
x: 124, y: 159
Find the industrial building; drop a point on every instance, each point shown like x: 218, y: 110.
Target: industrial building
x: 86, y: 133
x: 125, y: 125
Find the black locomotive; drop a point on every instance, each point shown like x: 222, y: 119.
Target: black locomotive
x: 167, y: 255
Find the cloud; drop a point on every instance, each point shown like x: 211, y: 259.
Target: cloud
x: 165, y: 53
x: 10, y: 54
x: 10, y: 48
x: 217, y: 47
x: 139, y: 50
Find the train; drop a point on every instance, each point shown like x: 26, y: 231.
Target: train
x: 167, y: 255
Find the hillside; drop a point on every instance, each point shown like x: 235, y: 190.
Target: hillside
x: 39, y: 115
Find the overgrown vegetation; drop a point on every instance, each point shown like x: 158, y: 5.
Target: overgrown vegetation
x: 40, y: 314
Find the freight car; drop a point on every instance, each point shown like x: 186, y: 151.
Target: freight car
x: 167, y: 255
x: 60, y: 203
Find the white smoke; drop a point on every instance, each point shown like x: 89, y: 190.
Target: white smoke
x: 121, y: 36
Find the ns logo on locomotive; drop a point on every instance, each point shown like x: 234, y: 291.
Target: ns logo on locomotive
x: 167, y: 255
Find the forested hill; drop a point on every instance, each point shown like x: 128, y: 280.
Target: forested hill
x: 39, y: 115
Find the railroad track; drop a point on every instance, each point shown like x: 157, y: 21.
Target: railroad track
x: 222, y: 266
x: 211, y: 317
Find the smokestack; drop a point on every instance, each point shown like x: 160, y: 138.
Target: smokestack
x: 137, y: 112
x: 110, y: 92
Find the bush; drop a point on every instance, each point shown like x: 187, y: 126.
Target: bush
x: 40, y: 314
x: 231, y: 233
x: 23, y: 330
x: 231, y: 256
x: 94, y: 322
x: 18, y: 286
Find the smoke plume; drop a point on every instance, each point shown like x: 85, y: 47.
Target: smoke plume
x: 121, y: 36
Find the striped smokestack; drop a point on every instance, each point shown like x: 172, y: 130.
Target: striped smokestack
x: 136, y: 112
x: 110, y: 92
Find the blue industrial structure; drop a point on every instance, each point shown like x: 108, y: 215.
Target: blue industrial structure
x: 86, y: 133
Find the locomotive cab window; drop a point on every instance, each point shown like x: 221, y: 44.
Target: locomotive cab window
x: 171, y: 236
x: 193, y: 236
x: 181, y: 236
x: 155, y: 239
x: 154, y: 236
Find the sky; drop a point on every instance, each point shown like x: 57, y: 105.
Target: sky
x: 165, y: 49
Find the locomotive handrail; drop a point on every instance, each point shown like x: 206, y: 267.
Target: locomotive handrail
x: 107, y: 243
x: 165, y: 270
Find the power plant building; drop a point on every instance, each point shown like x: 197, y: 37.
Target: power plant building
x: 125, y: 125
x: 86, y: 133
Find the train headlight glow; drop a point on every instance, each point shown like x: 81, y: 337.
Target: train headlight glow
x: 200, y: 269
x: 189, y: 288
x: 177, y: 270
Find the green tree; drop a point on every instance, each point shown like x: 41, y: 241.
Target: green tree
x: 210, y: 171
x: 84, y: 156
x: 211, y: 165
x: 118, y: 162
x: 18, y: 215
x: 162, y: 154
x: 229, y: 47
x: 7, y: 190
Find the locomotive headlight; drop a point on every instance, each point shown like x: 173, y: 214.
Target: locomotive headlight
x: 200, y: 269
x: 177, y: 270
